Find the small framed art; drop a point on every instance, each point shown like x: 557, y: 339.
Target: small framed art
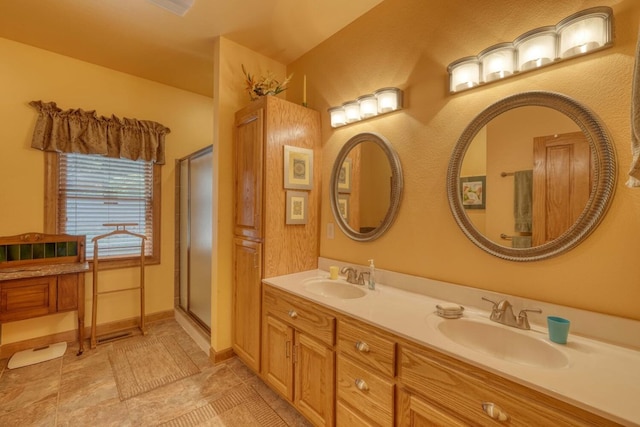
x: 297, y: 207
x: 343, y: 206
x: 473, y: 189
x: 298, y: 168
x: 344, y: 179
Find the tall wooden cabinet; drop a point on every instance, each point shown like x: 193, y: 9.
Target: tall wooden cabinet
x: 264, y: 246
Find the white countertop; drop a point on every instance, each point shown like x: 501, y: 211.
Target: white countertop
x: 600, y: 377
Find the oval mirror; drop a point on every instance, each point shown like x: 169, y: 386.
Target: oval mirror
x: 366, y: 186
x: 531, y: 176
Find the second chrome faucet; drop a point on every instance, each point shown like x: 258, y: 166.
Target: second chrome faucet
x: 352, y: 275
x: 502, y: 312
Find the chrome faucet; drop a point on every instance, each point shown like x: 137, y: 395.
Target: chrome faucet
x: 502, y: 312
x: 352, y: 274
x: 363, y: 277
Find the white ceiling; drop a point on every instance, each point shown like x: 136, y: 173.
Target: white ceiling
x: 140, y: 38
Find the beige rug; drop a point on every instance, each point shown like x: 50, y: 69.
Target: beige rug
x: 147, y: 365
x: 242, y: 407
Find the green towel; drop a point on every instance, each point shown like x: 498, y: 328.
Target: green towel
x: 521, y: 242
x: 523, y: 200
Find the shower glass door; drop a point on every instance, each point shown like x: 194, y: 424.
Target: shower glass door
x: 195, y: 229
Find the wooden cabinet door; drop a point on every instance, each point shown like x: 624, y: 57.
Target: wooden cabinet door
x: 277, y: 356
x: 562, y: 179
x: 416, y: 412
x: 67, y: 292
x: 248, y: 150
x: 314, y: 380
x: 246, y: 301
x: 27, y: 298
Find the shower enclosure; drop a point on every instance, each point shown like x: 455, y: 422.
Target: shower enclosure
x: 194, y: 199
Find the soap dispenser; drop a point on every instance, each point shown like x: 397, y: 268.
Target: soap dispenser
x: 372, y: 275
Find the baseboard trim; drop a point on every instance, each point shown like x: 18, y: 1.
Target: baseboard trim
x: 7, y: 350
x: 220, y: 356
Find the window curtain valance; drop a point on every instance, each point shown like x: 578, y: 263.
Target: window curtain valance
x: 79, y: 131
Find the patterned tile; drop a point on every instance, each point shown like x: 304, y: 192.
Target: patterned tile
x: 81, y: 390
x: 42, y: 413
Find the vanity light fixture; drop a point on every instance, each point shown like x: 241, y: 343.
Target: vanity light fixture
x: 579, y: 34
x: 351, y: 111
x: 382, y: 101
x: 584, y: 32
x: 338, y: 117
x: 497, y: 62
x: 536, y: 48
x: 465, y: 73
x: 368, y: 105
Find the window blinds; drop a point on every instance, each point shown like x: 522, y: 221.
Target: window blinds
x: 95, y: 190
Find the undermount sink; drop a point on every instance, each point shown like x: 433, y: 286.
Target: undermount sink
x: 503, y: 342
x: 333, y: 289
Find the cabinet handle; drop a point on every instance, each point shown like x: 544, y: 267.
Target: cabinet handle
x: 362, y: 346
x: 255, y: 260
x: 293, y: 314
x: 287, y: 349
x: 361, y: 384
x: 494, y: 411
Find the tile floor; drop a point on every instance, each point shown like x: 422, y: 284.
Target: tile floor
x: 81, y: 391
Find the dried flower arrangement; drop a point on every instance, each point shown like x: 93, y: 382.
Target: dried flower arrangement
x: 266, y: 85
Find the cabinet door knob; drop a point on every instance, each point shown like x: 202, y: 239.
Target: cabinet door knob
x: 494, y: 411
x: 293, y: 314
x: 361, y: 384
x: 362, y: 346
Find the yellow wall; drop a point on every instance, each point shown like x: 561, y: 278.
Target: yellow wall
x: 230, y: 96
x: 27, y: 74
x: 408, y: 44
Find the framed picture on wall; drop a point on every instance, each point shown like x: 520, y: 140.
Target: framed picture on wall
x: 298, y: 168
x: 343, y: 206
x: 344, y: 178
x: 297, y: 207
x: 473, y: 192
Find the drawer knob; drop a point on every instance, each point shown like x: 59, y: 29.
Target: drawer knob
x: 494, y: 411
x: 293, y: 314
x: 361, y: 384
x: 362, y: 346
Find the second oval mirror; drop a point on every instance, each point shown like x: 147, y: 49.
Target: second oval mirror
x: 366, y: 186
x: 531, y: 176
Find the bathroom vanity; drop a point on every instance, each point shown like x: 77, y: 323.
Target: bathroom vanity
x: 42, y: 274
x: 392, y: 367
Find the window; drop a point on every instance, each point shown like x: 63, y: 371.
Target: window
x: 84, y: 192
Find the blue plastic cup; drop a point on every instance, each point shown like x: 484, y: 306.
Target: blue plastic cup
x: 558, y: 329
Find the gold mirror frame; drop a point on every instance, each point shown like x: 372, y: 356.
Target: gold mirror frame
x: 397, y: 185
x: 602, y: 190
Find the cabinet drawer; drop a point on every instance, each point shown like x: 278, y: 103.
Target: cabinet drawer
x: 363, y: 389
x: 367, y: 345
x: 302, y: 315
x: 24, y: 299
x: 346, y: 417
x: 462, y: 389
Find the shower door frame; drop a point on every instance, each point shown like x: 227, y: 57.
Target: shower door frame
x: 178, y: 241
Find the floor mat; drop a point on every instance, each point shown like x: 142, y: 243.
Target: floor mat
x: 238, y: 408
x: 147, y: 365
